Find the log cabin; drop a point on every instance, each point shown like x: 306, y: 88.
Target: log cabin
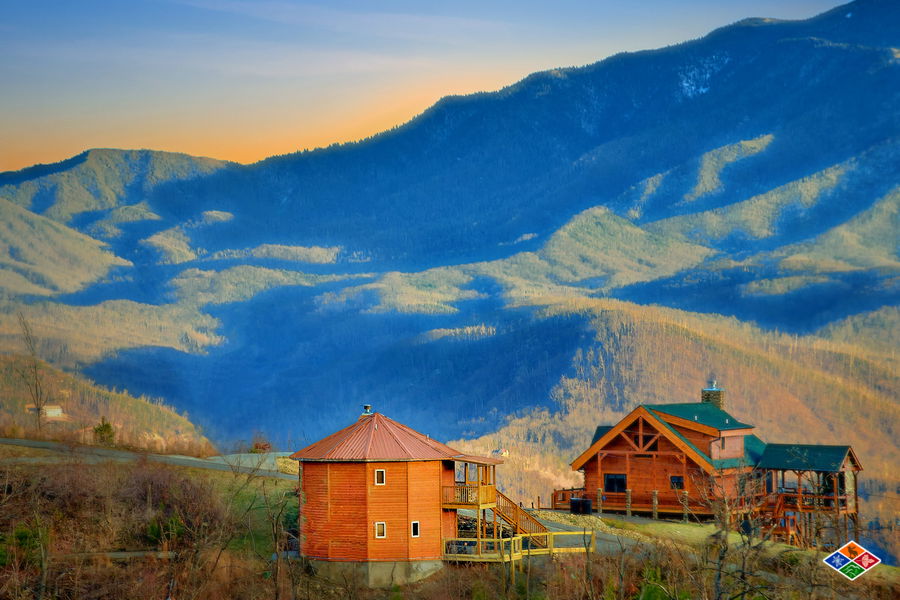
x: 380, y: 502
x: 694, y: 458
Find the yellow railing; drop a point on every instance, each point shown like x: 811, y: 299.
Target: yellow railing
x: 470, y: 494
x: 519, y: 546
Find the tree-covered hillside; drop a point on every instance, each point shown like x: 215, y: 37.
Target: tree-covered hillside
x: 730, y: 202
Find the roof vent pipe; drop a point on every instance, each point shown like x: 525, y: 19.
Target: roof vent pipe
x: 367, y: 410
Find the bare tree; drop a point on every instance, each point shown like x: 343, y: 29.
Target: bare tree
x: 735, y: 564
x: 32, y: 374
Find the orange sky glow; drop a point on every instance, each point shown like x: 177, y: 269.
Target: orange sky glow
x: 243, y: 80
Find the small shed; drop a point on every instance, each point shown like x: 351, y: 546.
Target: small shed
x: 378, y: 498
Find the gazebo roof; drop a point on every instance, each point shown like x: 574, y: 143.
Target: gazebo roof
x: 375, y: 437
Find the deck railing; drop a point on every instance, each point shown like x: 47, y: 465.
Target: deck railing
x: 517, y: 517
x: 472, y: 495
x: 517, y: 547
x: 560, y: 498
x: 808, y: 501
x: 668, y: 501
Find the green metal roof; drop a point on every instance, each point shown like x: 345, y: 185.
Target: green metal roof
x: 753, y: 450
x: 803, y: 457
x: 753, y: 446
x: 601, y: 431
x: 800, y: 457
x: 703, y: 413
x: 678, y: 435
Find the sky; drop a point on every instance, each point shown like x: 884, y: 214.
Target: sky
x: 246, y: 79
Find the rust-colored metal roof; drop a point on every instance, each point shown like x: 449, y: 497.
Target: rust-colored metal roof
x: 376, y: 437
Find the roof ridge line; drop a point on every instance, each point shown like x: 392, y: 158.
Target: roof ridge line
x: 371, y: 436
x: 399, y: 443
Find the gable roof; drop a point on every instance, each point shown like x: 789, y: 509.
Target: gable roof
x: 753, y: 446
x: 703, y: 413
x: 600, y: 432
x: 708, y: 417
x: 664, y: 429
x: 376, y: 437
x: 806, y: 457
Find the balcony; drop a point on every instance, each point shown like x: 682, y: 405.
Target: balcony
x: 469, y: 496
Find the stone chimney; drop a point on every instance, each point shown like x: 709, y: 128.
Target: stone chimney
x: 714, y: 395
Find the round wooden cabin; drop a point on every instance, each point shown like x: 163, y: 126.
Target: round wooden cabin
x: 371, y: 498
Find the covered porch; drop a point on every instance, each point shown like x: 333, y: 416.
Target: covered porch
x: 474, y: 484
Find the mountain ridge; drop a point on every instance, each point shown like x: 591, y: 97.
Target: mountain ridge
x: 452, y: 270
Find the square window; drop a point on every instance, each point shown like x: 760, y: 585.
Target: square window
x: 380, y: 477
x: 414, y: 529
x: 614, y: 482
x: 380, y: 529
x: 676, y: 482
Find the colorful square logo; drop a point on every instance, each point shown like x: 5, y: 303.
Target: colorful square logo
x: 851, y: 560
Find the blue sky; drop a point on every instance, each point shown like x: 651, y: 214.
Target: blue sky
x: 244, y: 79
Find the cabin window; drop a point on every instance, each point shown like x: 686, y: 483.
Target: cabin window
x: 380, y: 529
x: 380, y: 477
x: 614, y: 482
x: 676, y: 482
x: 414, y: 529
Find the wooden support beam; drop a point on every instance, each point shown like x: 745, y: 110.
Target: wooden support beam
x: 650, y: 441
x: 641, y: 432
x: 628, y: 439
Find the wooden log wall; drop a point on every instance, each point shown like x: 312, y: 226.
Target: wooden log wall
x: 343, y: 504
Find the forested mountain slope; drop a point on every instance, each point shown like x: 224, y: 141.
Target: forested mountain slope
x: 724, y: 206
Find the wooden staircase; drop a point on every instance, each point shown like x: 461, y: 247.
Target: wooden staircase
x: 520, y: 520
x: 783, y: 527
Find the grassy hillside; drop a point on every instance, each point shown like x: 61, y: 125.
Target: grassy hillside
x: 73, y: 528
x: 40, y: 257
x: 101, y: 180
x: 182, y: 532
x: 869, y: 332
x: 138, y: 422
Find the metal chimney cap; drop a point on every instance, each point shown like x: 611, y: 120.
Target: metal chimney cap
x: 367, y: 409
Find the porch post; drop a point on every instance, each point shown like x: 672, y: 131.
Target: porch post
x: 655, y: 504
x: 628, y: 502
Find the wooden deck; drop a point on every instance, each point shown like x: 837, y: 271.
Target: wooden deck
x: 667, y: 502
x: 670, y: 501
x: 518, y: 547
x: 469, y: 496
x: 806, y: 501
